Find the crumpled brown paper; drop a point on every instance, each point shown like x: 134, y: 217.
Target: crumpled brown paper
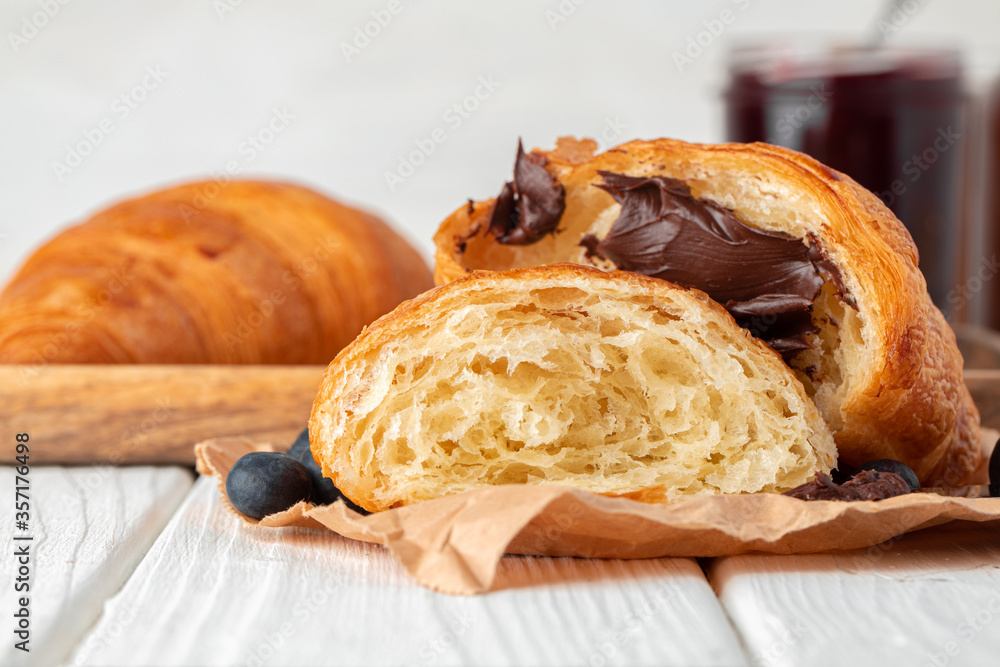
x: 454, y: 544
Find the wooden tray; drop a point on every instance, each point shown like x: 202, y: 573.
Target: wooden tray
x: 97, y: 414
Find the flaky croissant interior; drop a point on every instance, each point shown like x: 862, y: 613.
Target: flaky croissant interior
x: 573, y: 377
x: 761, y: 205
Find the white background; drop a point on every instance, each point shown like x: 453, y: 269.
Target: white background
x: 227, y: 71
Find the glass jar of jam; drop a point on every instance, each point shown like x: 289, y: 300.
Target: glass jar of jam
x: 890, y: 118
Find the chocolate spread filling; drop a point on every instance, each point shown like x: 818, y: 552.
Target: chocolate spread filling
x: 529, y: 207
x: 766, y: 280
x: 866, y: 485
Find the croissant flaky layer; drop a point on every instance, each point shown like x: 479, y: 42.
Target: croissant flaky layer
x: 881, y: 362
x: 239, y: 272
x: 610, y: 382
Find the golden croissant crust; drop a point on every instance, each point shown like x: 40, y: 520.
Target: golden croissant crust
x: 882, y: 364
x: 609, y: 382
x: 245, y: 272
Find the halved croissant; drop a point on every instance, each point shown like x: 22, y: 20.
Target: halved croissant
x: 874, y: 353
x: 244, y: 272
x: 610, y: 382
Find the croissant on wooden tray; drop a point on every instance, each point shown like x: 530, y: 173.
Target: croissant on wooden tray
x: 241, y: 273
x: 802, y: 256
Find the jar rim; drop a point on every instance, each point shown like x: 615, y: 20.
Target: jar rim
x: 787, y: 61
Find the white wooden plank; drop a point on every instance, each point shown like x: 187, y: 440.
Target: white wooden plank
x: 213, y: 591
x: 927, y: 598
x: 91, y: 526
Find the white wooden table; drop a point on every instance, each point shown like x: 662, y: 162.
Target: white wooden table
x: 143, y: 566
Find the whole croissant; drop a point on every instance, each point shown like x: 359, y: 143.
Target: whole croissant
x: 866, y: 341
x: 239, y: 273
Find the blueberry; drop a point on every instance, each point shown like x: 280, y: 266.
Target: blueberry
x: 263, y: 483
x: 300, y: 445
x: 995, y: 471
x: 889, y: 465
x: 324, y: 491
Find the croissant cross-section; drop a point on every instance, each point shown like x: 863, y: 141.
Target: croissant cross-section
x: 609, y: 382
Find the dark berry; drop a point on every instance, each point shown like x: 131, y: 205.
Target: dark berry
x: 263, y: 483
x: 889, y: 465
x: 300, y: 445
x: 995, y: 470
x: 324, y: 491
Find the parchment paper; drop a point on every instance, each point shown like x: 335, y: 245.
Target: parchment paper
x: 454, y: 544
